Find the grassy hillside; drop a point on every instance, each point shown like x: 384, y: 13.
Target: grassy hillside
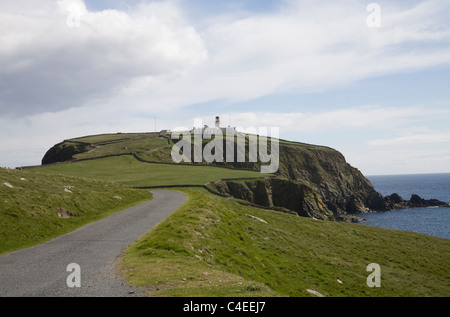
x: 339, y: 187
x: 29, y: 202
x: 128, y: 170
x: 104, y: 144
x: 210, y: 247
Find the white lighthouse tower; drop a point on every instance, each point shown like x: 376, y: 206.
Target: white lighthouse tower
x: 217, y: 122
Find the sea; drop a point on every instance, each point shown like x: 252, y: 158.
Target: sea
x: 429, y: 221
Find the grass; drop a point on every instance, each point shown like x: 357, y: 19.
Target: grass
x: 129, y: 171
x: 137, y: 144
x: 27, y: 212
x: 112, y: 137
x: 209, y: 247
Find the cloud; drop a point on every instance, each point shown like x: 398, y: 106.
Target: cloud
x: 312, y: 47
x: 413, y: 139
x: 155, y: 53
x: 356, y: 118
x: 302, y: 48
x: 395, y: 161
x: 63, y: 55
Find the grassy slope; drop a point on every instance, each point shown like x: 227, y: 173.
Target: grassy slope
x: 210, y: 248
x: 120, y: 143
x: 27, y: 211
x: 128, y: 170
x: 112, y: 137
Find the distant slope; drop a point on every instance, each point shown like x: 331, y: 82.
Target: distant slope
x: 103, y: 145
x: 312, y: 181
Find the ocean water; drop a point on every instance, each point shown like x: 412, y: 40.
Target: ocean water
x: 430, y: 221
x: 428, y: 186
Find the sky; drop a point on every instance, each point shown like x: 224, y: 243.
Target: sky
x: 370, y: 79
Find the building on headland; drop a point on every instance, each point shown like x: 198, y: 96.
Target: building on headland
x: 217, y: 122
x: 213, y: 130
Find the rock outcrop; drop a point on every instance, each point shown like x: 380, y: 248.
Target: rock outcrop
x: 63, y: 152
x: 395, y: 201
x: 290, y: 196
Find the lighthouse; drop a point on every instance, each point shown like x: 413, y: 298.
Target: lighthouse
x: 217, y: 122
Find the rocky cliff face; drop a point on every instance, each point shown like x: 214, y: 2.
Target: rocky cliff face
x: 342, y: 187
x: 312, y: 181
x: 291, y: 196
x: 63, y: 152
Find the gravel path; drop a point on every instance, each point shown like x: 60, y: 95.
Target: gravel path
x: 42, y: 270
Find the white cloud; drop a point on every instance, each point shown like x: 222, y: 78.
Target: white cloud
x: 367, y: 117
x: 153, y: 52
x: 307, y: 47
x: 51, y: 60
x: 413, y: 139
x: 400, y: 161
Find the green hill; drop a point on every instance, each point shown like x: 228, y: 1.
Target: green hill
x: 316, y: 181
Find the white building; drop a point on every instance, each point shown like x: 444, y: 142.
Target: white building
x: 215, y: 129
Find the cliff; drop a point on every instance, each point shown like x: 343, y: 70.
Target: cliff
x: 64, y: 151
x: 312, y: 181
x: 342, y: 187
x: 290, y: 196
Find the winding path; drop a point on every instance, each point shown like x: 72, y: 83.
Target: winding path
x: 42, y: 270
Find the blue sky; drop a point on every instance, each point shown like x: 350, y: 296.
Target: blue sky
x: 315, y: 69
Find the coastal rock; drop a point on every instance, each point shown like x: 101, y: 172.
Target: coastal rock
x: 376, y: 202
x: 394, y: 201
x: 417, y: 200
